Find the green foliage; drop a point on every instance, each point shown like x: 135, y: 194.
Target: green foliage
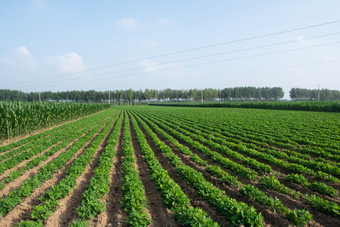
x: 324, y: 189
x: 176, y: 131
x: 259, y: 196
x: 174, y: 198
x: 79, y: 223
x: 245, y: 143
x: 296, y: 216
x: 30, y: 224
x: 51, y: 196
x: 2, y: 185
x: 187, y: 125
x: 270, y: 182
x: 222, y: 175
x: 134, y: 200
x: 297, y: 178
x: 273, y: 183
x: 237, y: 212
x: 22, y: 118
x: 326, y: 106
x: 323, y: 205
x: 66, y: 185
x: 299, y: 217
x: 99, y: 184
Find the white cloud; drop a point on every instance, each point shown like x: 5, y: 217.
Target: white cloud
x: 67, y: 63
x: 127, y: 22
x: 19, y: 57
x: 40, y: 4
x: 23, y: 50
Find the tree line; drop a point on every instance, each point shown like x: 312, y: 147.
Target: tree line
x: 314, y: 94
x: 170, y: 95
x: 148, y: 95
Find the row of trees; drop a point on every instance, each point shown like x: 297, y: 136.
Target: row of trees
x: 152, y: 95
x: 149, y: 95
x: 315, y: 94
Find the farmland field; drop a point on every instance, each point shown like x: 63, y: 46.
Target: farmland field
x: 21, y: 118
x: 174, y: 166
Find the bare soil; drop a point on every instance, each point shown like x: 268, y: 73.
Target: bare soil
x: 160, y: 215
x: 269, y: 217
x: 24, y: 209
x: 196, y: 200
x: 114, y: 214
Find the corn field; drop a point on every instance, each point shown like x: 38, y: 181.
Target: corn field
x: 22, y: 118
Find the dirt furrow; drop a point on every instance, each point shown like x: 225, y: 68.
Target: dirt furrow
x: 17, y: 182
x: 66, y: 212
x: 158, y: 212
x: 24, y: 209
x: 305, y: 190
x: 196, y: 200
x: 269, y: 216
x: 13, y: 155
x: 231, y: 192
x: 4, y: 152
x: 200, y: 154
x: 114, y: 214
x: 321, y: 218
x: 274, y: 166
x: 289, y: 202
x: 35, y: 146
x: 20, y: 165
x: 279, y: 169
x: 30, y: 173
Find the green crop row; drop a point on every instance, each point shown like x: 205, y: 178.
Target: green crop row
x: 224, y: 149
x: 31, y: 144
x: 261, y: 155
x: 134, y: 200
x: 45, y: 173
x: 34, y: 142
x: 322, y: 188
x: 328, y: 106
x: 298, y: 217
x: 173, y: 197
x: 53, y: 142
x: 99, y: 184
x: 238, y: 213
x: 10, y: 163
x: 259, y: 143
x: 318, y: 203
x: 291, y: 128
x: 70, y: 136
x: 28, y: 140
x: 50, y: 199
x: 235, y: 167
x: 316, y: 186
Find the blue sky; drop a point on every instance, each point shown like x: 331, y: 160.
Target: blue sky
x: 102, y: 45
